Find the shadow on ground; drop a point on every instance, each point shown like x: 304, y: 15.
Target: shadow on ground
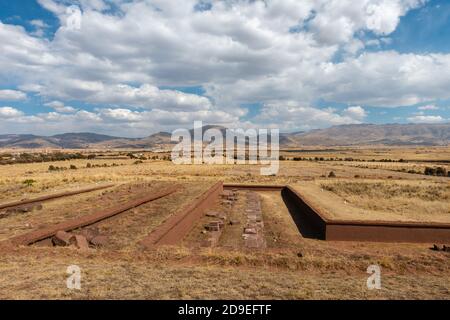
x: 308, y: 225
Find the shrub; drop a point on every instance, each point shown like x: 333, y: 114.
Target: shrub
x: 89, y: 165
x: 52, y: 168
x: 440, y: 171
x: 73, y: 167
x: 332, y: 175
x: 29, y: 182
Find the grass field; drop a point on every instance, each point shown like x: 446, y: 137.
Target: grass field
x: 385, y: 200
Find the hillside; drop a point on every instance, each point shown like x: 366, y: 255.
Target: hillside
x: 370, y: 134
x: 344, y: 135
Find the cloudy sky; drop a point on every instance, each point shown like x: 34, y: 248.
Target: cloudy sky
x: 135, y: 67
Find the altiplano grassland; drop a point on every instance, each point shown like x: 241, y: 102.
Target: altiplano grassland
x: 291, y: 267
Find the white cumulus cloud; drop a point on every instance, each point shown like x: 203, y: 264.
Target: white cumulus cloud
x: 9, y: 112
x: 12, y: 95
x: 280, y: 54
x: 426, y: 119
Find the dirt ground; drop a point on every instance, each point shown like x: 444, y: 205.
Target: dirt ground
x: 290, y: 267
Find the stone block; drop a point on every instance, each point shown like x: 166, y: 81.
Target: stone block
x: 44, y: 243
x: 63, y: 239
x: 81, y: 242
x: 250, y: 231
x: 212, y: 214
x: 227, y: 193
x: 212, y: 226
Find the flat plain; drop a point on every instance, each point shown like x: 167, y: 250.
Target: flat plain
x: 364, y: 183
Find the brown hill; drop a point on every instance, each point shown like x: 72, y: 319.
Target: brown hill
x: 370, y: 134
x: 345, y: 135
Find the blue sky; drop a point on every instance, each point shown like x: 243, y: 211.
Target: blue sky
x: 133, y: 68
x: 23, y: 11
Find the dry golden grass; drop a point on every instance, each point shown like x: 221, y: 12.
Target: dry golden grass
x: 390, y: 190
x: 41, y: 274
x: 377, y: 153
x: 418, y: 200
x: 125, y: 231
x: 280, y: 229
x: 53, y: 212
x: 324, y: 270
x: 388, y: 200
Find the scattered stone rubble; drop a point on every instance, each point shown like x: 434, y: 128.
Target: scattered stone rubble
x: 254, y: 229
x: 229, y: 198
x: 87, y: 238
x: 443, y: 248
x: 215, y: 227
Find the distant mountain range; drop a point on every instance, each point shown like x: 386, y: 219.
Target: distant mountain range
x: 371, y: 134
x: 344, y: 135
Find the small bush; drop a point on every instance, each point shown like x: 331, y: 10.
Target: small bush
x: 440, y: 171
x: 332, y: 175
x: 73, y: 167
x: 29, y: 182
x: 430, y: 171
